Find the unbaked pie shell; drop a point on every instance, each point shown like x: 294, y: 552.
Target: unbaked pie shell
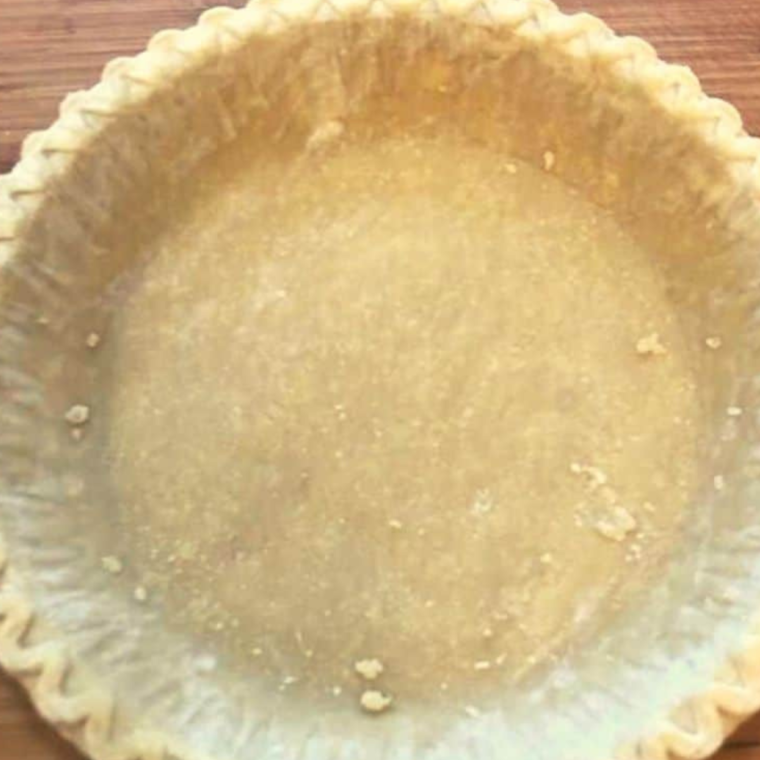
x: 641, y: 130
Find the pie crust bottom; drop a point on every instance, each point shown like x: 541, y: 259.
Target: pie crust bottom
x: 384, y: 400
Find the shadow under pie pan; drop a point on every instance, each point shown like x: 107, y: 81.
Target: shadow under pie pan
x: 380, y: 381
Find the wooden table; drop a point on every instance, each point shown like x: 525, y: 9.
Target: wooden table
x: 50, y: 47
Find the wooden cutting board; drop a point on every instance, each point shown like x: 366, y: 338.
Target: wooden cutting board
x: 52, y: 47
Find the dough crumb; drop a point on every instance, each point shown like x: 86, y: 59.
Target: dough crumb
x: 616, y: 524
x: 257, y: 651
x: 92, y: 340
x: 549, y: 160
x: 395, y: 524
x: 719, y: 482
x: 488, y: 633
x: 112, y: 565
x: 337, y: 691
x: 650, y: 345
x: 482, y: 665
x: 473, y: 712
x: 286, y: 682
x: 713, y: 342
x: 369, y: 669
x: 594, y: 475
x: 141, y: 594
x: 325, y: 134
x: 77, y: 414
x: 483, y: 502
x: 375, y: 701
x: 734, y: 411
x: 546, y: 559
x: 511, y: 168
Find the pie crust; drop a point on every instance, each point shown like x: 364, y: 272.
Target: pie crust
x: 642, y: 141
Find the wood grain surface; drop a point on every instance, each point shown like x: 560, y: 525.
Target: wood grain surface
x: 50, y: 47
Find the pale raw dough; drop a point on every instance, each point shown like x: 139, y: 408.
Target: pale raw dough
x: 349, y: 393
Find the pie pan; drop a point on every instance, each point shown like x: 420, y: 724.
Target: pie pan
x: 128, y: 367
